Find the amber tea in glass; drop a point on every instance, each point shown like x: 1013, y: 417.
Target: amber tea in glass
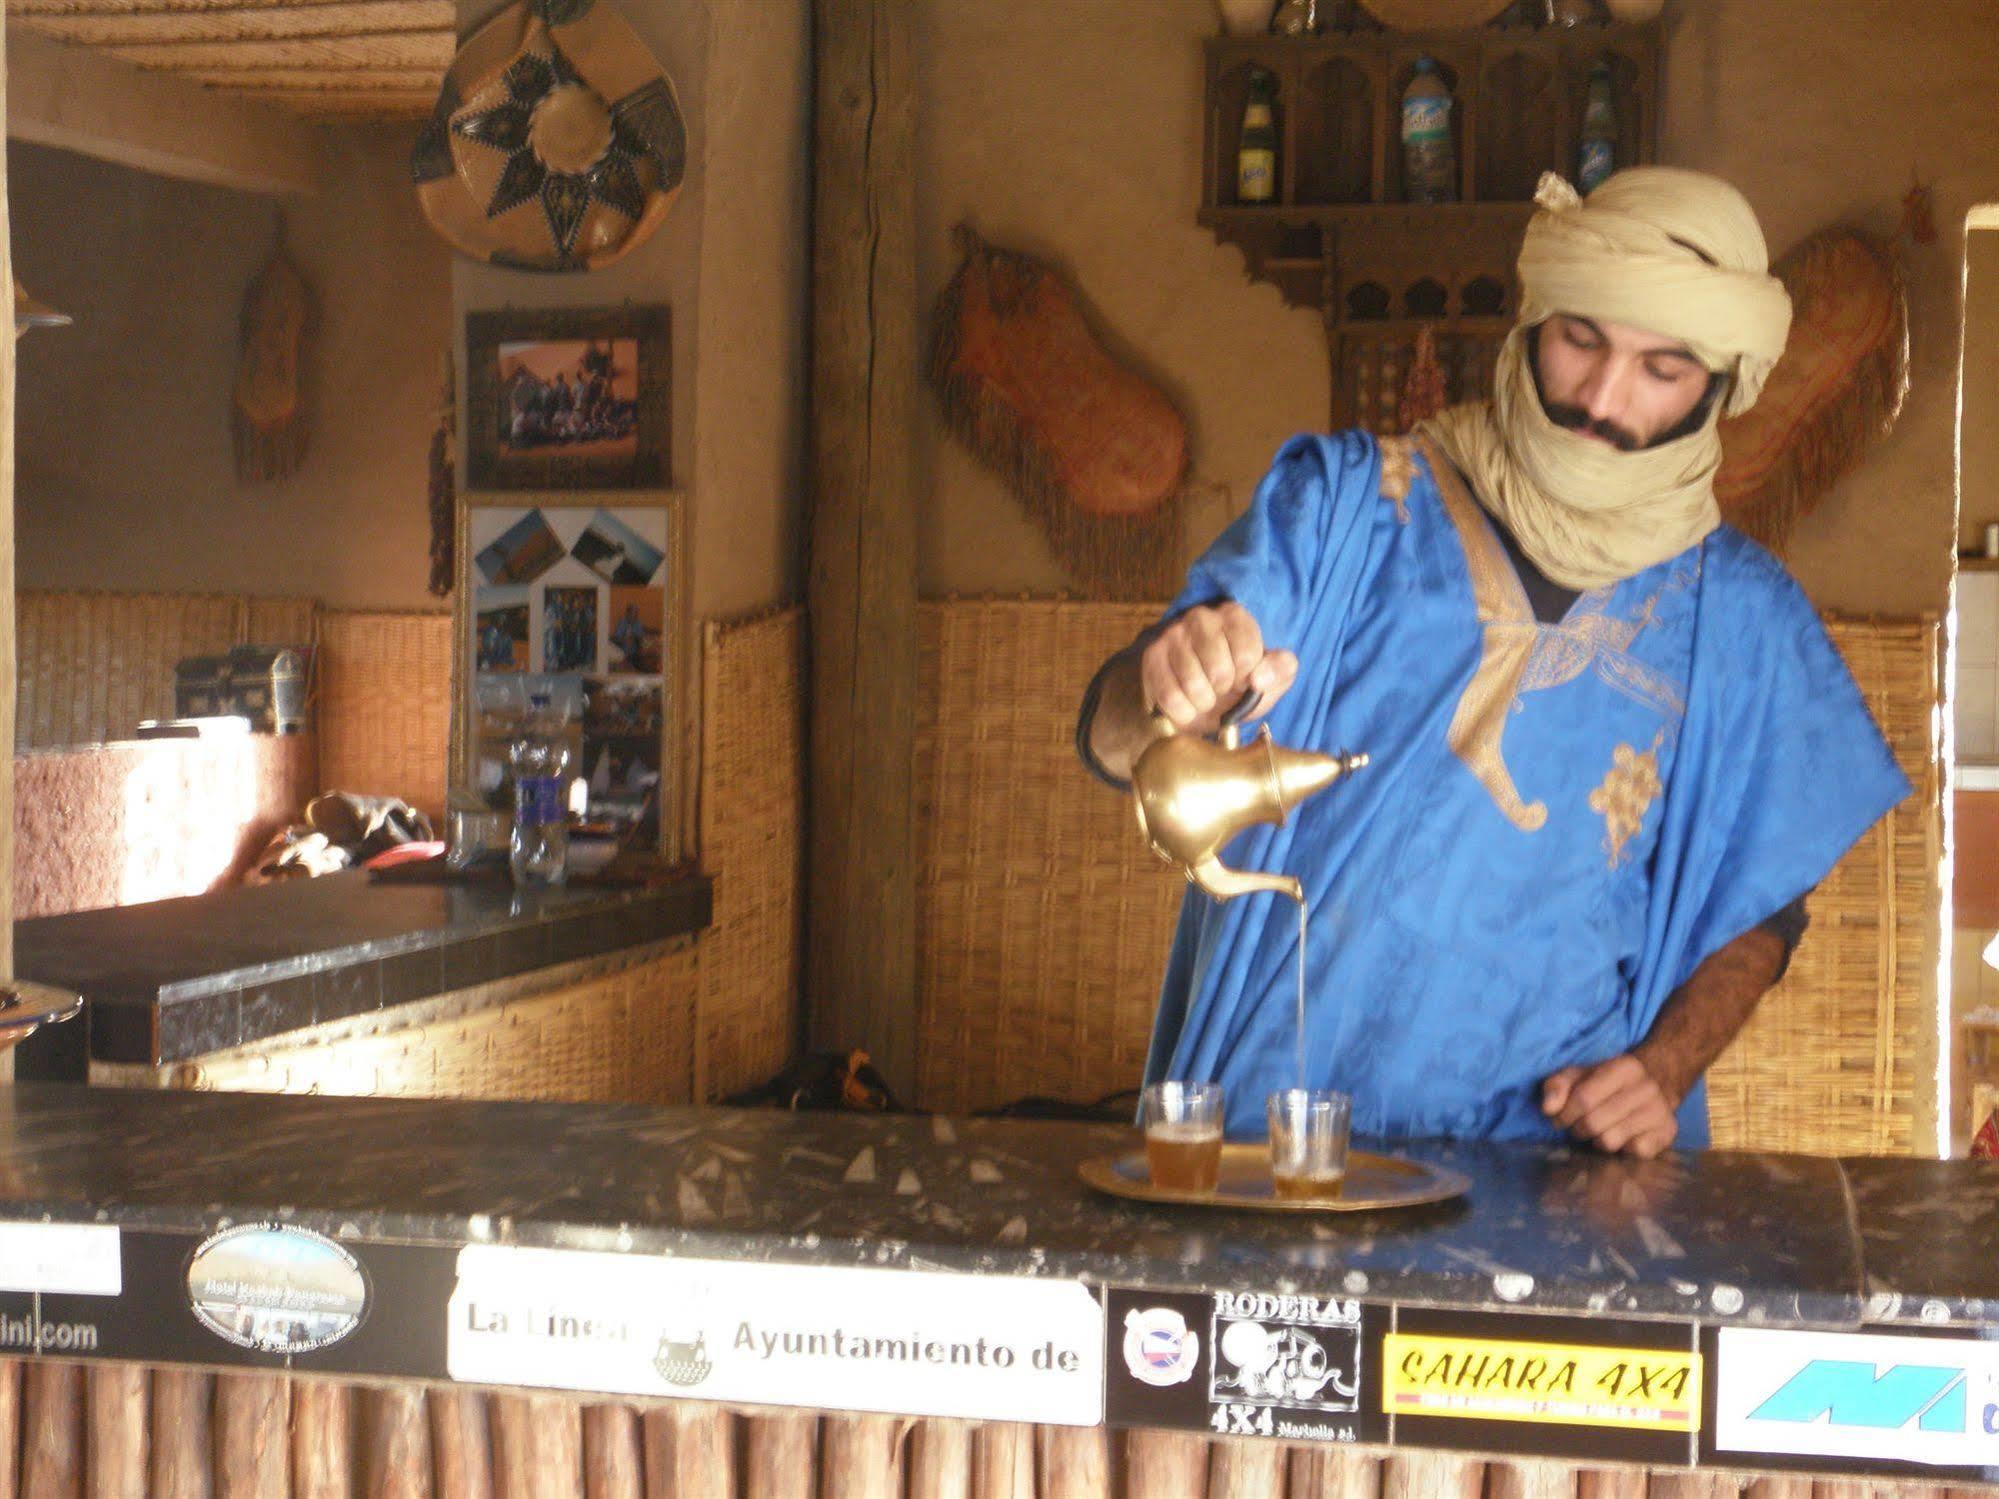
x: 1308, y: 1142
x: 1183, y: 1135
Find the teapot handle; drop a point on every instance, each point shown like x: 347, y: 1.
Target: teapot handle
x: 1245, y: 705
x: 1162, y: 726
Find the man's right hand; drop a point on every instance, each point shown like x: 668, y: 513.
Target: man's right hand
x: 1195, y: 670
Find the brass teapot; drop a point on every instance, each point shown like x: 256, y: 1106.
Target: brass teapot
x: 1194, y: 794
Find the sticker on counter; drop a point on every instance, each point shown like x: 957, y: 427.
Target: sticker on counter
x: 275, y: 1288
x: 1544, y: 1384
x: 1242, y: 1363
x: 1565, y: 1384
x: 910, y: 1342
x: 76, y: 1259
x: 1875, y: 1396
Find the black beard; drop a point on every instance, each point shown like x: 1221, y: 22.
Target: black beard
x: 1575, y: 419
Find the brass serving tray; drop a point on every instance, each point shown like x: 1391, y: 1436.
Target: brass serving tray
x: 1373, y: 1183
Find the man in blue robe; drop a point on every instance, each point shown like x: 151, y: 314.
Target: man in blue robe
x: 1612, y: 747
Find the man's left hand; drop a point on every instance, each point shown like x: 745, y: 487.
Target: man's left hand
x: 1615, y: 1105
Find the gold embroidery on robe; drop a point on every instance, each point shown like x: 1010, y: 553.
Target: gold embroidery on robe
x: 1519, y: 655
x: 1626, y: 795
x: 1398, y: 472
x: 1479, y: 724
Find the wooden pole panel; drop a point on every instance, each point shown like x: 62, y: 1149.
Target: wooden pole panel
x: 252, y: 1436
x: 183, y: 1401
x: 52, y: 1425
x: 861, y: 1457
x: 861, y: 579
x: 780, y: 1455
x: 1003, y: 1461
x: 940, y: 1460
x: 690, y: 1452
x: 1334, y: 1473
x: 396, y: 1436
x: 1075, y: 1462
x: 461, y: 1444
x: 1165, y: 1465
x: 1246, y: 1470
x: 322, y: 1440
x: 537, y: 1447
x: 613, y: 1459
x: 1610, y: 1483
x: 1431, y: 1475
x: 118, y: 1424
x: 10, y: 1422
x: 1530, y: 1481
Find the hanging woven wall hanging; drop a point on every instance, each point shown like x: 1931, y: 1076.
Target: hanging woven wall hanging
x: 1095, y: 452
x: 270, y: 399
x: 1835, y: 394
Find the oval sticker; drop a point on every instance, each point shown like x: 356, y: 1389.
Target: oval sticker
x: 275, y: 1288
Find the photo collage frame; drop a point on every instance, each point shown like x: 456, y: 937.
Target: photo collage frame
x: 580, y: 597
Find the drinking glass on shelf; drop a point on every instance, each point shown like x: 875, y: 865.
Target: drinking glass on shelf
x: 1308, y: 1141
x: 1183, y: 1134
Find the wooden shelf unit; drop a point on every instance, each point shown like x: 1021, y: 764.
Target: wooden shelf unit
x: 1340, y: 237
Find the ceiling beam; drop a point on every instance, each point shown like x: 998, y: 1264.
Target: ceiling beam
x: 73, y: 98
x: 422, y: 50
x: 264, y: 24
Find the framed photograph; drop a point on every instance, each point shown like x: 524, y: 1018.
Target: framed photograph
x: 568, y: 398
x: 579, y: 596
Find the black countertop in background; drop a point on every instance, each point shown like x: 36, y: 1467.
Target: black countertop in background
x: 172, y: 979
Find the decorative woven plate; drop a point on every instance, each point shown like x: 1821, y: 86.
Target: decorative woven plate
x: 1434, y: 15
x: 557, y: 143
x: 1374, y: 1183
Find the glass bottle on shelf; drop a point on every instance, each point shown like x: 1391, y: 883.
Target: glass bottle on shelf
x: 1429, y: 161
x: 1598, y: 157
x: 1256, y: 157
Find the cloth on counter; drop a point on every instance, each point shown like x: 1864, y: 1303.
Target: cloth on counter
x: 341, y: 829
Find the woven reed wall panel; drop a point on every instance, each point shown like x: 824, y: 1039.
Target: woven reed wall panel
x: 1042, y: 919
x: 91, y: 665
x: 752, y: 844
x: 1043, y: 923
x: 625, y: 1035
x: 385, y: 706
x: 1830, y: 1063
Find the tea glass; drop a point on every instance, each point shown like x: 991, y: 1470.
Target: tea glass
x: 1308, y: 1142
x: 1183, y: 1134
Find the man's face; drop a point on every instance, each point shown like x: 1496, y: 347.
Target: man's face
x: 1617, y: 384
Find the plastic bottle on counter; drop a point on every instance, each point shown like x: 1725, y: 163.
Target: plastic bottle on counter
x: 1598, y: 158
x: 540, y: 758
x: 1429, y: 160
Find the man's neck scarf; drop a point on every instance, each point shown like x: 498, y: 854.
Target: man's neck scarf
x: 1673, y: 252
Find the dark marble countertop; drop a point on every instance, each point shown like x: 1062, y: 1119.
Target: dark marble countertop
x: 1718, y: 1237
x: 172, y: 979
x: 1930, y: 1240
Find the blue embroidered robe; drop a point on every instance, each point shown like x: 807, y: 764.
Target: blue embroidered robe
x: 1560, y: 821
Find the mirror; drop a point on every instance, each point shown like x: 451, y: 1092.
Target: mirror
x: 152, y: 528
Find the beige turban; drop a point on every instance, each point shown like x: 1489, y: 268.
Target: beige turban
x: 1673, y: 252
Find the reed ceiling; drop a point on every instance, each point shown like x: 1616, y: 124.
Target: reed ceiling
x: 325, y: 59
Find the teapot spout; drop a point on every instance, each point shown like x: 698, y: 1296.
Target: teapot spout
x: 1224, y: 883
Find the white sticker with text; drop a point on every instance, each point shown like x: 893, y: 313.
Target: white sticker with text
x: 1863, y: 1395
x: 911, y: 1342
x: 77, y: 1259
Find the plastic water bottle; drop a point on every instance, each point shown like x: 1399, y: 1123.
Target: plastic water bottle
x: 1598, y: 158
x: 540, y: 757
x: 1429, y: 160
